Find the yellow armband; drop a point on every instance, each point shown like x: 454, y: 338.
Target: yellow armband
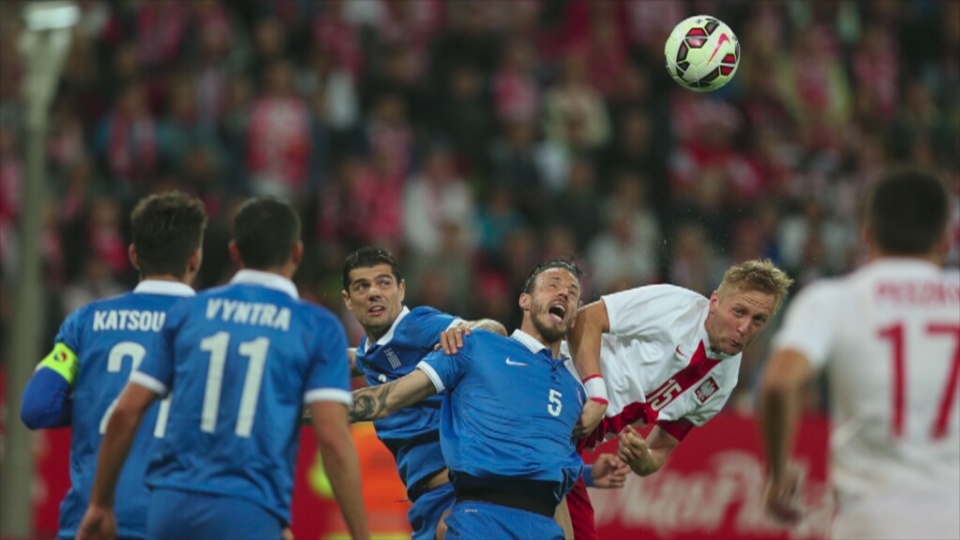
x: 64, y: 361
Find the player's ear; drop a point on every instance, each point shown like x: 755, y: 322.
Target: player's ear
x: 524, y: 301
x: 235, y: 253
x: 346, y: 299
x: 134, y: 258
x: 195, y: 260
x: 297, y: 254
x: 402, y: 287
x: 714, y: 301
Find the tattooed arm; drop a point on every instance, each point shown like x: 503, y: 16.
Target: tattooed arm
x: 375, y: 402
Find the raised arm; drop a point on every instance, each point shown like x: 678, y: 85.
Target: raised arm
x: 375, y: 402
x: 584, y: 340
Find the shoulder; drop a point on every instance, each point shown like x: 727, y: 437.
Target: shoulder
x: 816, y: 293
x: 652, y: 293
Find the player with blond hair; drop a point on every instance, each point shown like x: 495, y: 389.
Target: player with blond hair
x: 670, y: 357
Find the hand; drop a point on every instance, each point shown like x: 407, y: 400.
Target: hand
x: 451, y: 339
x: 782, y: 500
x: 287, y: 533
x: 609, y: 472
x: 633, y: 449
x: 590, y: 418
x: 98, y: 524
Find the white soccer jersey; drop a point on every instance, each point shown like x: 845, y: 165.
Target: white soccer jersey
x: 889, y: 337
x: 657, y: 354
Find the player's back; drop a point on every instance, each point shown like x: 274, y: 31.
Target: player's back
x: 895, y: 375
x: 245, y: 358
x: 112, y: 337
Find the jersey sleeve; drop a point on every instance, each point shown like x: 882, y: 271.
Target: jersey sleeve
x: 636, y: 311
x: 328, y: 378
x: 446, y: 371
x: 426, y: 324
x: 809, y: 326
x: 46, y: 400
x: 155, y: 373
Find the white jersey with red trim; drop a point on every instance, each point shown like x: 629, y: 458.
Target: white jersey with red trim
x: 889, y: 338
x: 657, y: 354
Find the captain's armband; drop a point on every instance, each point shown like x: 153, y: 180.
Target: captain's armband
x: 64, y: 361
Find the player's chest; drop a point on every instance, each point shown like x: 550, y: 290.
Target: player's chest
x: 544, y: 390
x: 383, y: 363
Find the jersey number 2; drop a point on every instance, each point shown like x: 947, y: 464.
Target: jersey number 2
x: 896, y: 336
x: 256, y: 350
x: 137, y: 353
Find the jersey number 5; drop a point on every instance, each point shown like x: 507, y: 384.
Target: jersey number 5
x: 256, y: 350
x: 896, y: 335
x: 555, y: 405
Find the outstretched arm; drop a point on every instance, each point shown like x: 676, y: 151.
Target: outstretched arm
x: 375, y: 402
x: 584, y: 339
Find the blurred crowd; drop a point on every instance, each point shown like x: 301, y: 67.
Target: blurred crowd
x: 476, y: 138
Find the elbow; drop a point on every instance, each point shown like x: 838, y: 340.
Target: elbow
x: 32, y: 418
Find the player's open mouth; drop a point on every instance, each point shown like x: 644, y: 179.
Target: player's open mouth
x: 557, y: 312
x: 377, y: 310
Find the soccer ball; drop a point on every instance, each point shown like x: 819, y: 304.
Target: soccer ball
x: 702, y: 53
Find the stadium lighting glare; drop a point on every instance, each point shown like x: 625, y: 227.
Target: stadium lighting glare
x: 51, y: 15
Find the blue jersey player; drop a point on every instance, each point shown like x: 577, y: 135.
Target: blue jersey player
x: 508, y: 416
x: 240, y: 362
x: 397, y: 338
x: 98, y: 346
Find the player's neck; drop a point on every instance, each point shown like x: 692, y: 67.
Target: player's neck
x: 934, y: 257
x: 167, y: 277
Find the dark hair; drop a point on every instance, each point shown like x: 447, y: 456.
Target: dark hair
x: 367, y: 257
x: 266, y: 230
x: 565, y: 264
x: 166, y: 229
x: 907, y: 211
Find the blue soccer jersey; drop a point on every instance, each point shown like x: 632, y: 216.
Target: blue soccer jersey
x: 412, y: 434
x: 240, y: 362
x: 509, y: 413
x: 94, y: 353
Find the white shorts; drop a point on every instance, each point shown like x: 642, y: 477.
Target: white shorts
x: 901, y: 515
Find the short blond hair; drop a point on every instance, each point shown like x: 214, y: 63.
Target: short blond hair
x: 757, y: 275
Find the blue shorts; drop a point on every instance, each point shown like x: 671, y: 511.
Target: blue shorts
x: 475, y: 519
x: 427, y: 510
x: 176, y: 515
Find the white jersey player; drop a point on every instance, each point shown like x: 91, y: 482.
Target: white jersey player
x: 888, y: 336
x: 669, y: 355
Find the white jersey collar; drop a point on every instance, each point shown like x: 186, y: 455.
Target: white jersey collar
x: 158, y: 286
x: 384, y: 339
x: 266, y: 279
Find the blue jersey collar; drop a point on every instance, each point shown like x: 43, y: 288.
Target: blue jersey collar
x: 266, y: 279
x: 170, y: 288
x: 533, y: 343
x: 384, y: 339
